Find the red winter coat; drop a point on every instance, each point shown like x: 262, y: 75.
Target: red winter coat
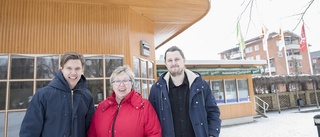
x: 134, y: 117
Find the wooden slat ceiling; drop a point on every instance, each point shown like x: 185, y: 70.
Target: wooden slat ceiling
x: 170, y: 17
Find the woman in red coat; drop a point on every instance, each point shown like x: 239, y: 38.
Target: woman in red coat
x: 124, y: 113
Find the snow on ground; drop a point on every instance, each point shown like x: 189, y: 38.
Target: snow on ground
x: 288, y: 123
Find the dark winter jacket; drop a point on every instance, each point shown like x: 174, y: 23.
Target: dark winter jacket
x: 51, y: 114
x: 203, y: 110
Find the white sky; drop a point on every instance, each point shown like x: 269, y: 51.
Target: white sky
x: 216, y: 31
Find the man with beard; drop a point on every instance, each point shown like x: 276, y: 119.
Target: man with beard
x: 183, y: 101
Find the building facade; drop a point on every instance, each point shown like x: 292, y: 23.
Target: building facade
x: 289, y: 60
x: 315, y: 59
x: 35, y: 33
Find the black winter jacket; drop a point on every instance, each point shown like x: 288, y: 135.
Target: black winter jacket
x: 51, y: 114
x: 203, y: 110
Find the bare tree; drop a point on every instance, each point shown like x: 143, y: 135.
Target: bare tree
x: 249, y: 6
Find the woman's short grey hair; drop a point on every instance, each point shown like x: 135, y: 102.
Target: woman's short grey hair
x: 126, y: 69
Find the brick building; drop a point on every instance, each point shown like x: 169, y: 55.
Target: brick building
x: 315, y: 59
x: 295, y: 61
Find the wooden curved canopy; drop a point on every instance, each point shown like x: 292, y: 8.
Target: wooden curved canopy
x: 170, y: 17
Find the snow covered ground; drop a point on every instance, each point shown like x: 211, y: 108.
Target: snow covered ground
x: 288, y: 123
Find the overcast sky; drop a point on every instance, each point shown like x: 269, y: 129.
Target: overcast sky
x: 216, y: 31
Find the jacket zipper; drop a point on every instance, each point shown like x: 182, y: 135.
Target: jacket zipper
x: 72, y: 100
x: 115, y: 117
x: 161, y: 99
x: 71, y: 126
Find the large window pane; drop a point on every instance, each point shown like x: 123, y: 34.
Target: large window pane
x: 41, y: 84
x: 243, y: 90
x: 1, y: 124
x: 3, y: 88
x: 108, y: 87
x: 136, y: 65
x: 14, y: 123
x: 151, y: 82
x: 47, y: 67
x: 137, y: 85
x: 143, y: 69
x: 145, y: 92
x: 20, y: 94
x: 93, y: 67
x: 96, y: 88
x: 217, y: 90
x: 231, y: 92
x: 3, y: 67
x: 22, y: 67
x: 150, y: 69
x: 112, y: 62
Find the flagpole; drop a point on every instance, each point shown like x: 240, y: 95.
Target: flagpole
x: 241, y: 52
x: 265, y: 38
x: 285, y: 52
x: 286, y: 58
x: 268, y: 61
x: 308, y: 52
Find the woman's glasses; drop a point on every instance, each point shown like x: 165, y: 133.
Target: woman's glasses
x: 118, y: 82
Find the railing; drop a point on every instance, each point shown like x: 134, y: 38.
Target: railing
x: 264, y: 105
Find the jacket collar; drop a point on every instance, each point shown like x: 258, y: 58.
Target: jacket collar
x: 60, y: 83
x: 134, y: 99
x: 191, y: 76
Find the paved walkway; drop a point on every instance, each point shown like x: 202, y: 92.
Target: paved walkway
x: 288, y: 123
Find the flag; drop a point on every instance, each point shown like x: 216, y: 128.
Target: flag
x: 242, y: 45
x: 303, y: 40
x: 265, y: 36
x: 281, y: 42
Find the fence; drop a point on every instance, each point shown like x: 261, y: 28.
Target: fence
x: 289, y: 100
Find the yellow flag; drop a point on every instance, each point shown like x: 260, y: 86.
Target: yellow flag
x: 242, y: 45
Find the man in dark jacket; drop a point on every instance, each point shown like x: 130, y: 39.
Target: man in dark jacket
x: 183, y: 101
x: 63, y: 108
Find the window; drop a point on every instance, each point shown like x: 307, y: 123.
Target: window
x: 299, y: 64
x: 249, y: 58
x: 217, y: 90
x: 243, y: 90
x: 231, y: 92
x: 20, y: 94
x: 144, y: 78
x: 112, y: 62
x: 3, y: 66
x: 256, y: 47
x: 96, y: 89
x: 248, y: 50
x: 279, y: 53
x: 136, y: 64
x: 3, y: 94
x: 47, y: 66
x: 22, y: 67
x: 13, y: 118
x: 94, y: 66
x: 258, y: 57
x: 271, y: 61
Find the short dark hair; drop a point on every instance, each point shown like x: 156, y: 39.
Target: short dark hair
x: 172, y: 49
x: 71, y: 55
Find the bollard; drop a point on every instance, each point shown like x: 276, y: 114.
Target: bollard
x: 316, y: 119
